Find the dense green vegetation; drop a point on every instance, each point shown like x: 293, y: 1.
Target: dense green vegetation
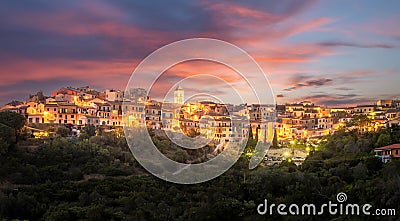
x: 96, y: 177
x: 10, y: 126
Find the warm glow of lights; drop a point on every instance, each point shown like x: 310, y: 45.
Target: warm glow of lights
x: 41, y: 134
x: 286, y: 154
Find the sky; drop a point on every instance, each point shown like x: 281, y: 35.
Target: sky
x: 333, y: 53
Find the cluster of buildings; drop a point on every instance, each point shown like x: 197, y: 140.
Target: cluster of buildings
x: 220, y: 122
x: 85, y: 106
x: 223, y: 122
x: 75, y: 106
x: 304, y: 121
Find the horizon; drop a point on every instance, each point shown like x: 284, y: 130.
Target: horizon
x: 48, y: 94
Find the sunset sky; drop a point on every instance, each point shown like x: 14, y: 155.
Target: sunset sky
x: 333, y: 53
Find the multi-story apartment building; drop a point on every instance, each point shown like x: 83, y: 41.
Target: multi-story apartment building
x: 364, y: 109
x: 67, y: 113
x: 153, y: 116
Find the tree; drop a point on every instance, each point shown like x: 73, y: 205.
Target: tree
x: 3, y: 146
x: 40, y: 96
x: 87, y: 132
x: 373, y: 164
x: 7, y: 137
x: 63, y: 131
x: 181, y: 155
x: 383, y: 140
x: 90, y: 130
x: 7, y: 133
x: 12, y: 119
x: 275, y: 140
x: 360, y: 171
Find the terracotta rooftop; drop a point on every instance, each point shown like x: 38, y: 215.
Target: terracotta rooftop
x: 389, y: 147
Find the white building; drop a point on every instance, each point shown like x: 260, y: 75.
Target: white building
x: 114, y: 95
x: 179, y: 96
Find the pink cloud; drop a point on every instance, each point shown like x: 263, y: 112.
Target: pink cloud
x: 383, y: 26
x: 97, y: 72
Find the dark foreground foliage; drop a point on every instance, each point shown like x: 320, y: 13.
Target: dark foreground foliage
x: 96, y: 178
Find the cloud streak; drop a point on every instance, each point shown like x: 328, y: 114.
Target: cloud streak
x: 353, y: 44
x: 339, y: 100
x: 301, y: 80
